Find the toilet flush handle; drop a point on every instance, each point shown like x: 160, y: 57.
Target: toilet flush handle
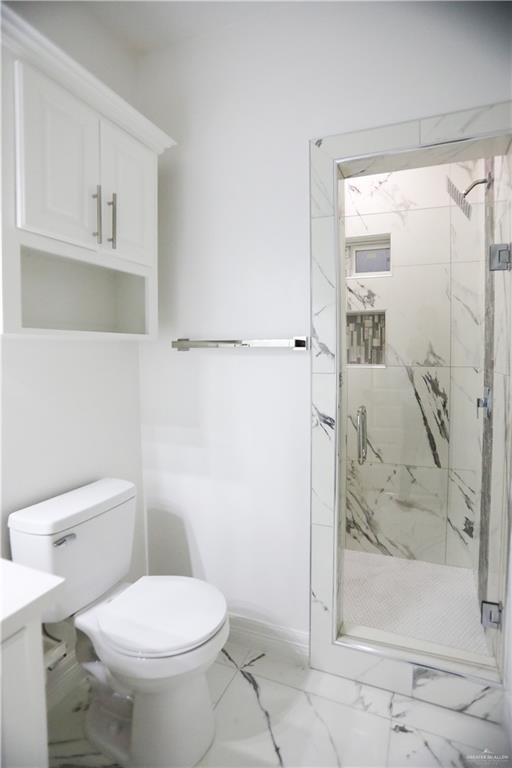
x: 64, y: 539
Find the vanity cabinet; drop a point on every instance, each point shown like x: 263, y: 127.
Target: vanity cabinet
x: 26, y: 594
x: 79, y: 197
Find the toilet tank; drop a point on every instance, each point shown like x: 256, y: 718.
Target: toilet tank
x: 85, y: 535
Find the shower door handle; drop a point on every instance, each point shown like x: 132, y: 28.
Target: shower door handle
x: 362, y: 438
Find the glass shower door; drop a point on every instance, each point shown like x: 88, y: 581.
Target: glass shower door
x: 426, y: 331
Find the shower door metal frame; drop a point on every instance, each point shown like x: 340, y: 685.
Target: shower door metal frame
x: 388, y: 667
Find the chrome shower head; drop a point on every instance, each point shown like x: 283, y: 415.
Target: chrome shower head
x: 460, y: 197
x: 487, y: 181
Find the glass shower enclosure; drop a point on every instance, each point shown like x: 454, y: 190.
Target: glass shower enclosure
x: 424, y: 335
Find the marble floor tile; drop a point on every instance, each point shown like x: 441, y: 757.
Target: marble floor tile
x: 415, y: 747
x: 261, y: 722
x: 272, y: 709
x: 236, y: 650
x: 458, y: 693
x: 296, y: 673
x: 457, y: 727
x: 78, y: 754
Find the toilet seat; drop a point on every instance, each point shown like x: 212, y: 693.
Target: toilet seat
x: 161, y: 616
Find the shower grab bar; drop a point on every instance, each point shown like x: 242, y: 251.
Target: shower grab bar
x: 184, y: 345
x: 362, y: 436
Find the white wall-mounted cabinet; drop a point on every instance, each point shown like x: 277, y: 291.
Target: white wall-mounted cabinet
x: 80, y: 185
x: 57, y: 159
x: 128, y: 185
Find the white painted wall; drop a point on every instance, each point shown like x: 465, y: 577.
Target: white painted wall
x: 226, y: 434
x: 71, y: 408
x: 70, y: 416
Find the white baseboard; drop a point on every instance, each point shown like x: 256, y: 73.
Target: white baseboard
x: 69, y: 674
x: 272, y: 637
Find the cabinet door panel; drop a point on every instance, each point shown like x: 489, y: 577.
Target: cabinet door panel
x: 57, y: 160
x: 128, y: 169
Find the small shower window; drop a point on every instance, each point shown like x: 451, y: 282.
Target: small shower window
x: 369, y: 255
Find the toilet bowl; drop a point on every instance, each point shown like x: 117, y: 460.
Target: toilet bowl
x: 157, y: 638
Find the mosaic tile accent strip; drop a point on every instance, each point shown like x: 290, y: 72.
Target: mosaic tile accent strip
x: 366, y: 338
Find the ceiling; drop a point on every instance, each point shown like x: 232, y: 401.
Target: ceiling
x: 146, y: 26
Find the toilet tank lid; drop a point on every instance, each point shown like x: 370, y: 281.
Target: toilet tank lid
x: 71, y: 508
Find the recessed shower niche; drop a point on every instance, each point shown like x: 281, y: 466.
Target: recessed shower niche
x: 366, y: 338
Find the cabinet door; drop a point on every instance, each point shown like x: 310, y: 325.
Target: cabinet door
x: 57, y: 139
x: 128, y: 178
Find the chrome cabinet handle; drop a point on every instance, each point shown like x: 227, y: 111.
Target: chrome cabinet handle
x: 113, y: 203
x: 99, y: 222
x: 362, y: 439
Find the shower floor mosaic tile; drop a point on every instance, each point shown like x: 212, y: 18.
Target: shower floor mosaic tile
x: 273, y: 710
x: 412, y: 599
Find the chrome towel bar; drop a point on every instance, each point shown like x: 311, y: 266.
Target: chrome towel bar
x: 184, y: 345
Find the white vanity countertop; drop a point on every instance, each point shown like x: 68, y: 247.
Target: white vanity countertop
x: 24, y: 593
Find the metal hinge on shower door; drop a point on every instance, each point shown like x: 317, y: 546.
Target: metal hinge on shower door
x: 484, y: 402
x: 491, y: 614
x: 500, y: 257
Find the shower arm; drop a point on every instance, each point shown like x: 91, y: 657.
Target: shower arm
x: 488, y: 181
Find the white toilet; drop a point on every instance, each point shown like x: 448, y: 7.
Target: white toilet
x: 155, y: 638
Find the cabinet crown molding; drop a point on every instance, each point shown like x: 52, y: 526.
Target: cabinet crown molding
x: 23, y: 41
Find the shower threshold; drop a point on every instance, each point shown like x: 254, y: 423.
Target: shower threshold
x: 418, y: 607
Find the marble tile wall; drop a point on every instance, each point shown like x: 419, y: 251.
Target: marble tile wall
x: 418, y: 494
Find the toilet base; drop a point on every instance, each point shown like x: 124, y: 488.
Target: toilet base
x: 108, y: 721
x: 171, y: 727
x: 174, y: 726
